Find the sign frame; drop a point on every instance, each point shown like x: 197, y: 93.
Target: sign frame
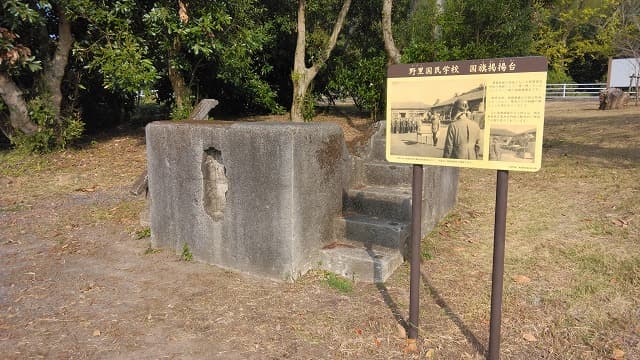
x: 505, y: 98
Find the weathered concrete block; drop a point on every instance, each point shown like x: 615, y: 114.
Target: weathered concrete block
x: 259, y: 198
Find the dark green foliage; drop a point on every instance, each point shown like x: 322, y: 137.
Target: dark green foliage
x: 588, y: 68
x: 363, y: 81
x: 357, y: 68
x: 219, y: 51
x: 308, y: 107
x: 462, y: 30
x: 53, y: 134
x: 469, y: 30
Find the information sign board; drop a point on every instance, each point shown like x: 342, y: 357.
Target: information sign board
x: 486, y: 113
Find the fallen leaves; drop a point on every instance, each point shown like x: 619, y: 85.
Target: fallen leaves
x: 623, y: 223
x: 521, y: 279
x: 529, y: 337
x: 411, y: 347
x: 430, y: 354
x: 87, y: 189
x: 617, y: 354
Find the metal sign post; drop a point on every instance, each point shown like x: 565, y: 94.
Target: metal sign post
x: 493, y: 110
x: 414, y: 277
x: 502, y: 185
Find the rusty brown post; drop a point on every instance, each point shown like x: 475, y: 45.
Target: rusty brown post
x: 414, y: 278
x: 502, y: 187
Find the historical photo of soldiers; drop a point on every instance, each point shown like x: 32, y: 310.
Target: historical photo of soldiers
x: 442, y: 121
x: 512, y: 143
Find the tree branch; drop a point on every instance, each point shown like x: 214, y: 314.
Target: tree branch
x: 337, y: 27
x: 387, y: 33
x: 298, y: 61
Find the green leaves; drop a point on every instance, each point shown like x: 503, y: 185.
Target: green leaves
x: 124, y: 65
x: 569, y: 31
x: 20, y: 13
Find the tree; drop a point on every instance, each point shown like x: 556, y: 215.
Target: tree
x: 481, y: 29
x: 41, y: 117
x: 357, y: 68
x: 576, y: 37
x: 21, y: 20
x: 627, y: 41
x: 217, y: 41
x: 302, y: 76
x: 458, y: 29
x: 389, y: 43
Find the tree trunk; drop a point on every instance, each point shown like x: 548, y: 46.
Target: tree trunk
x: 302, y: 76
x: 387, y: 33
x: 437, y: 30
x: 56, y: 69
x: 18, y: 113
x: 181, y: 92
x: 300, y: 87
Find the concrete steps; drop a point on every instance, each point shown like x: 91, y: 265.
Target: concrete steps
x: 378, y: 149
x: 388, y: 202
x: 370, y: 239
x: 371, y: 231
x: 361, y: 263
x: 382, y: 173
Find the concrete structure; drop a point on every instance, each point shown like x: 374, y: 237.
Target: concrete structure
x: 277, y: 199
x: 373, y: 233
x: 259, y: 198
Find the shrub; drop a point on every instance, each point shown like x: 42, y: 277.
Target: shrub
x: 53, y: 133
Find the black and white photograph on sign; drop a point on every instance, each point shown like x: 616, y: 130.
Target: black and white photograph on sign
x: 443, y: 121
x: 513, y: 143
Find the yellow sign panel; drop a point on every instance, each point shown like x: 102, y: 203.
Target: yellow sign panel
x: 485, y: 113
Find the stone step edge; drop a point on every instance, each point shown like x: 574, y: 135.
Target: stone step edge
x: 360, y: 264
x: 398, y: 232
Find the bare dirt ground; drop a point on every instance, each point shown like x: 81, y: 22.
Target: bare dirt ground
x: 79, y: 281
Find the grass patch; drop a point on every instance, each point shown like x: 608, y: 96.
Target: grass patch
x: 143, y: 234
x: 150, y: 250
x: 16, y: 163
x: 598, y: 228
x: 14, y: 208
x: 338, y: 283
x: 122, y: 212
x: 186, y: 253
x: 427, y: 247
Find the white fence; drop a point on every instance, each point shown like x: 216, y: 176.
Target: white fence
x: 578, y: 91
x: 574, y: 91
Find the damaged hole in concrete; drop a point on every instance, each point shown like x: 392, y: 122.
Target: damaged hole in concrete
x: 215, y: 183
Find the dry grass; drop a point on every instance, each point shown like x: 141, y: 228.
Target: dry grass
x: 572, y: 231
x: 76, y: 282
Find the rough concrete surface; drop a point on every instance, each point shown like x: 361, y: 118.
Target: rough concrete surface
x: 282, y: 189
